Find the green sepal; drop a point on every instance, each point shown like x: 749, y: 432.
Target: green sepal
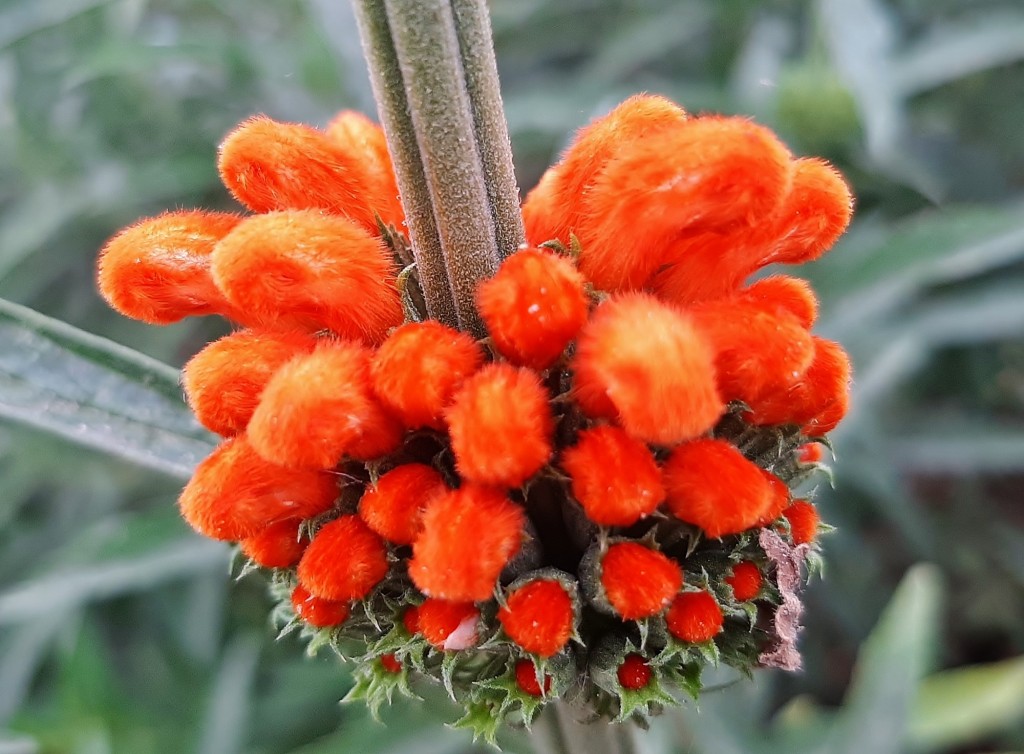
x: 377, y: 686
x: 641, y: 703
x: 481, y: 720
x: 685, y: 676
x: 555, y: 245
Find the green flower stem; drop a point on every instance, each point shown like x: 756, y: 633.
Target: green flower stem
x: 564, y: 729
x: 473, y: 25
x: 389, y: 91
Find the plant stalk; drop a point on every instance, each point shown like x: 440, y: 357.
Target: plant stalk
x: 565, y: 729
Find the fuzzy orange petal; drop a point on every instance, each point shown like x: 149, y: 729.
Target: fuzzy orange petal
x: 235, y: 494
x: 309, y: 270
x: 317, y: 612
x: 538, y: 617
x: 694, y: 617
x: 746, y: 580
x: 803, y: 522
x: 158, y: 270
x: 393, y: 506
x: 277, y: 546
x: 354, y: 132
x: 440, y: 621
x: 646, y: 364
x: 345, y: 561
x: 319, y: 408
x: 468, y: 537
x: 638, y: 581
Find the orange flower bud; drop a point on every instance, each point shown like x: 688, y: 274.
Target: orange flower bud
x: 417, y: 370
x: 448, y: 625
x: 317, y: 612
x: 500, y: 426
x: 394, y: 506
x: 538, y: 616
x: 815, y: 213
x: 779, y: 498
x: 712, y: 173
x: 746, y: 580
x: 345, y: 561
x: 634, y: 673
x: 533, y: 307
x: 756, y: 352
x: 235, y: 494
x: 319, y: 408
x: 694, y: 617
x: 411, y: 619
x: 803, y: 522
x: 158, y: 270
x: 272, y: 166
x: 711, y: 485
x: 784, y: 293
x: 526, y: 678
x: 468, y: 537
x: 391, y: 663
x: 311, y: 271
x: 638, y: 581
x: 614, y: 476
x: 811, y: 452
x: 552, y: 210
x: 646, y: 364
x: 361, y: 137
x: 223, y: 382
x: 277, y: 546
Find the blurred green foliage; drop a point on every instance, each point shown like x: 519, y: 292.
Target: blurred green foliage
x: 119, y: 629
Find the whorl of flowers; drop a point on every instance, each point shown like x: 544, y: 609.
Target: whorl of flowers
x: 593, y: 502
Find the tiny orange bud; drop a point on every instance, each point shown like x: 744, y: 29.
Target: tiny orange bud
x: 318, y: 408
x: 158, y: 270
x: 224, y: 381
x: 538, y: 616
x: 500, y: 426
x: 614, y: 476
x: 811, y: 452
x: 646, y: 364
x: 277, y: 546
x: 634, y: 673
x: 468, y: 537
x: 533, y: 307
x: 417, y: 370
x: 411, y: 619
x: 526, y: 678
x: 317, y: 612
x: 711, y: 485
x: 694, y: 617
x: 390, y: 663
x: 448, y: 625
x: 803, y: 522
x: 234, y: 493
x: 393, y: 507
x: 638, y: 581
x: 345, y: 561
x: 746, y: 580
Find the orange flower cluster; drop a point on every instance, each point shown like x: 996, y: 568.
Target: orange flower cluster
x: 585, y: 487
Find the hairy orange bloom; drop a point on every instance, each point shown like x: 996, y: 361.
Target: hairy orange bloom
x: 538, y: 616
x: 448, y: 625
x: 235, y: 494
x: 779, y: 498
x: 411, y: 619
x: 784, y: 293
x: 277, y: 546
x: 694, y: 617
x: 318, y: 408
x: 393, y: 507
x: 158, y: 270
x: 746, y: 580
x: 417, y: 370
x: 756, y: 351
x: 803, y: 521
x: 526, y: 678
x: 634, y: 673
x: 354, y: 132
x: 711, y: 485
x: 614, y: 476
x: 711, y: 173
x: 309, y: 270
x: 500, y: 426
x: 638, y: 581
x: 552, y: 210
x: 646, y: 365
x: 533, y: 307
x: 468, y: 537
x: 811, y: 452
x: 345, y: 561
x: 317, y: 612
x: 224, y: 381
x: 272, y: 166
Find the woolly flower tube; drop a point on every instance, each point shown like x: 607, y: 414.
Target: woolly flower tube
x: 588, y: 499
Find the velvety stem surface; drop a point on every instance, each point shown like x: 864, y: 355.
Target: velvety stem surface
x: 565, y: 729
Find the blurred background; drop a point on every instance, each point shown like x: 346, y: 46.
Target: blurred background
x: 120, y: 630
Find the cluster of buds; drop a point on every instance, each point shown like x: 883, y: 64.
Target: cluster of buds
x: 594, y: 501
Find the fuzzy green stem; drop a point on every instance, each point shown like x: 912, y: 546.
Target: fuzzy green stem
x: 473, y: 25
x: 393, y: 106
x: 562, y: 729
